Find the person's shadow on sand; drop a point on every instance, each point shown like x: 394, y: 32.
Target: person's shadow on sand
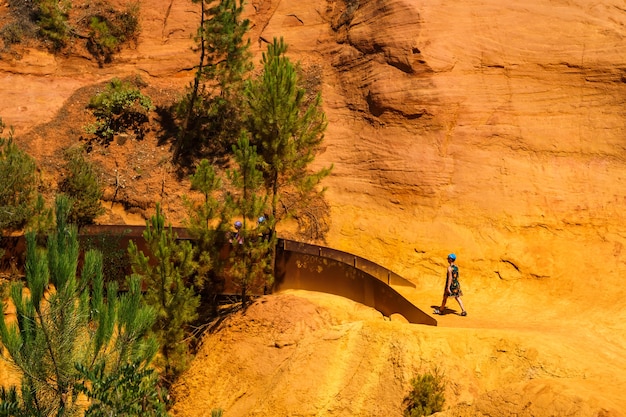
x: 445, y: 311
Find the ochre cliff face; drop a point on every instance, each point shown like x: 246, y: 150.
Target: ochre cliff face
x: 493, y: 130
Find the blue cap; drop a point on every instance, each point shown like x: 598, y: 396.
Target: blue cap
x: 261, y: 219
x: 238, y: 224
x: 452, y: 256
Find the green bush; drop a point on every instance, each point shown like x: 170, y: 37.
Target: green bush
x: 127, y: 22
x: 52, y: 18
x: 11, y: 34
x: 130, y: 391
x: 119, y: 109
x: 109, y: 28
x: 102, y: 43
x: 426, y: 396
x: 18, y: 184
x: 82, y: 185
x: 115, y: 261
x: 103, y: 27
x: 19, y: 24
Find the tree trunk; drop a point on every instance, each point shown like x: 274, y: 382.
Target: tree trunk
x: 194, y: 92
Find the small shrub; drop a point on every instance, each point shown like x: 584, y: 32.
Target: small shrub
x: 128, y: 22
x: 131, y: 391
x: 102, y: 43
x: 41, y: 221
x: 82, y: 185
x: 52, y: 18
x: 426, y: 396
x: 119, y: 109
x: 109, y: 28
x: 23, y: 10
x: 11, y: 34
x: 20, y: 25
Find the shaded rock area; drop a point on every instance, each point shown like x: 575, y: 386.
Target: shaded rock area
x: 492, y: 130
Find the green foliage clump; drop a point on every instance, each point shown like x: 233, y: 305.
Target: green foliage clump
x: 127, y: 22
x: 207, y: 224
x: 102, y: 43
x: 52, y: 19
x: 103, y: 29
x: 82, y: 185
x: 131, y: 391
x: 69, y: 332
x: 22, y: 25
x: 18, y: 184
x: 167, y: 274
x: 11, y: 33
x: 119, y: 109
x: 426, y: 396
x: 109, y: 29
x: 250, y: 253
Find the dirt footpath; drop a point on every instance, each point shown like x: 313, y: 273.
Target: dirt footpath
x: 306, y: 353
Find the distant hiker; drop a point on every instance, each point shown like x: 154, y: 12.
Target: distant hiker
x: 263, y: 228
x: 238, y: 236
x: 452, y: 288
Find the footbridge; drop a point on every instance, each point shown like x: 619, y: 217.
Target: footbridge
x: 298, y: 265
x: 317, y: 268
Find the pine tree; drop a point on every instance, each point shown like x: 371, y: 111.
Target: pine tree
x: 250, y: 254
x: 66, y: 326
x: 208, y: 224
x: 82, y: 185
x: 287, y: 131
x: 228, y: 54
x: 18, y: 184
x: 212, y: 108
x: 167, y: 272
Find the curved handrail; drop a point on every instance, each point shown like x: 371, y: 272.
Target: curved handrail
x: 377, y: 271
x: 315, y: 268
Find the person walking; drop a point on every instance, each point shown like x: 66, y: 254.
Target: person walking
x: 237, y: 236
x: 452, y: 288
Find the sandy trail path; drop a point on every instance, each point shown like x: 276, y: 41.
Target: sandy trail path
x: 340, y: 358
x: 583, y: 344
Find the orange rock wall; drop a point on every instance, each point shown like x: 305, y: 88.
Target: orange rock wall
x: 490, y: 129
